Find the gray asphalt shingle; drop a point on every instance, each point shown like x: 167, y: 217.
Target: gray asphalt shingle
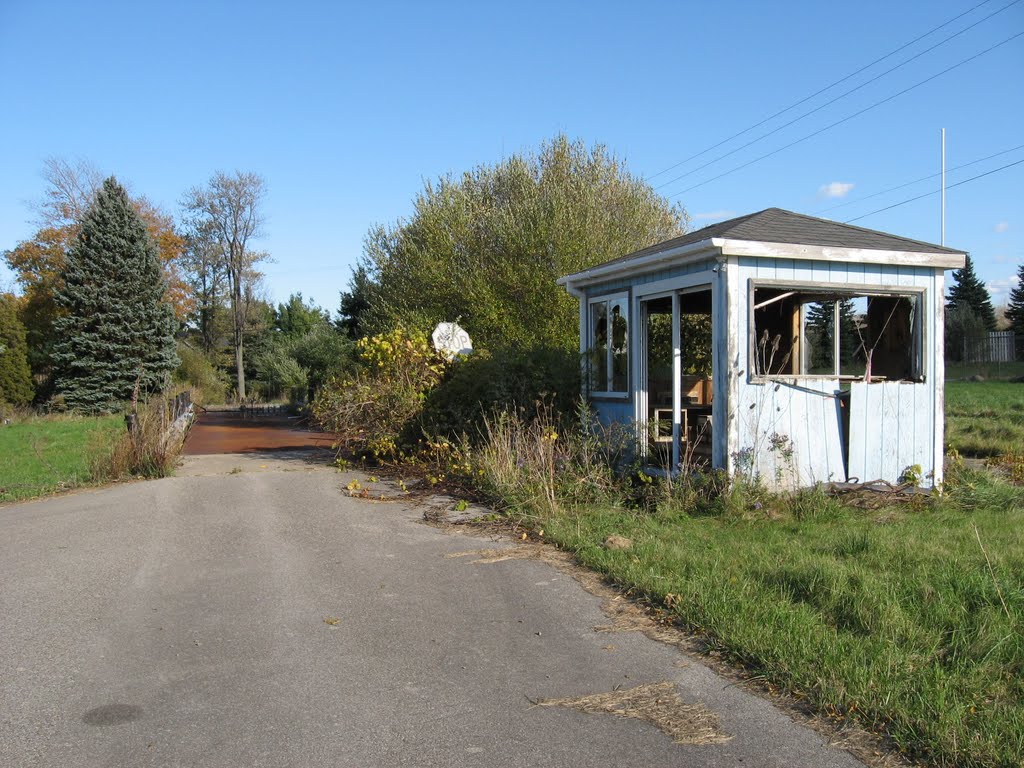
x: 775, y: 225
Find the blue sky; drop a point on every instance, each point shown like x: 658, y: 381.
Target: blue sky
x: 347, y: 108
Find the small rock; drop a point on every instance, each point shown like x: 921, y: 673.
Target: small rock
x: 617, y: 542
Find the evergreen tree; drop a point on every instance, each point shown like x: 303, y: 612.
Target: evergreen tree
x: 820, y: 323
x: 15, y: 375
x: 967, y: 290
x: 297, y: 318
x: 115, y: 329
x: 1015, y: 307
x: 355, y: 303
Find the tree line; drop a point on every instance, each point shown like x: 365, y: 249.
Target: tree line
x: 483, y: 247
x: 119, y: 297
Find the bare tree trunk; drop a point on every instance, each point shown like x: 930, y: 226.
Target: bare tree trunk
x: 239, y: 325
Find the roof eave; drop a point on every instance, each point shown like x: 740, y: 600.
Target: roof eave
x: 640, y: 265
x: 945, y: 260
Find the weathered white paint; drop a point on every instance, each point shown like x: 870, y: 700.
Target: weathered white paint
x: 903, y: 423
x: 891, y: 430
x: 789, y: 432
x: 893, y: 425
x: 936, y: 330
x: 717, y: 247
x: 837, y: 255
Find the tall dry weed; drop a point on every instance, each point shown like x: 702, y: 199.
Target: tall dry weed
x: 151, y: 444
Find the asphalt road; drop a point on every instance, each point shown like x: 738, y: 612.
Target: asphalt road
x: 184, y: 622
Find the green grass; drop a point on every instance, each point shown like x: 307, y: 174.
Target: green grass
x: 892, y: 618
x: 42, y: 455
x: 963, y: 371
x: 985, y: 418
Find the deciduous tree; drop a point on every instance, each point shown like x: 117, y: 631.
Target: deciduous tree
x: 114, y: 331
x: 296, y: 318
x: 487, y: 246
x: 230, y: 206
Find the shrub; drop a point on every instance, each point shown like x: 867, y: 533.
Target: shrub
x: 482, y: 385
x: 374, y: 411
x: 323, y: 353
x: 280, y: 375
x: 198, y: 372
x: 543, y: 464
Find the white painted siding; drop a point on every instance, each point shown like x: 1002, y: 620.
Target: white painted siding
x: 789, y: 433
x: 892, y: 425
x: 890, y: 430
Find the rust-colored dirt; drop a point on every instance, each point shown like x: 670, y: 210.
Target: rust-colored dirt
x: 229, y: 432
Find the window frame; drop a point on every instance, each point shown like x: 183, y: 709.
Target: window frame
x: 608, y: 300
x: 918, y: 294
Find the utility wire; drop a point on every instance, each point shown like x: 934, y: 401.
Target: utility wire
x: 934, y: 191
x: 835, y: 99
x: 796, y: 104
x: 848, y: 117
x: 917, y: 181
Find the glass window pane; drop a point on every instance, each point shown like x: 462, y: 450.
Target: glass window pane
x: 599, y: 346
x: 620, y: 347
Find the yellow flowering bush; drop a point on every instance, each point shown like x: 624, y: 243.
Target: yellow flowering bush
x: 374, y: 412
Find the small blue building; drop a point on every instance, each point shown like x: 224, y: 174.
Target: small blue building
x: 775, y: 344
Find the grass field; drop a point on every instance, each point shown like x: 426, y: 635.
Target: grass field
x: 907, y: 620
x: 985, y: 418
x: 45, y: 454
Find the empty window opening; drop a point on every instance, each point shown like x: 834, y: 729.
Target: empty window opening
x: 846, y: 334
x: 695, y: 383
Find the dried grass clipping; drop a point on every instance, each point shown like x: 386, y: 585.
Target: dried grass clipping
x: 657, y: 703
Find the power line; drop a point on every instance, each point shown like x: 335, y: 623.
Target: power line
x: 836, y: 98
x: 796, y: 104
x: 917, y: 181
x: 935, y: 191
x: 848, y: 117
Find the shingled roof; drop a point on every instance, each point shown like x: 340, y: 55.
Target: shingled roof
x: 775, y: 225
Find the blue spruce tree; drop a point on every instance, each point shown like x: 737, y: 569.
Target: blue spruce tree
x: 114, y: 329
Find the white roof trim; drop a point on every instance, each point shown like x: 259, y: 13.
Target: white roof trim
x: 719, y: 246
x: 834, y: 253
x: 641, y: 264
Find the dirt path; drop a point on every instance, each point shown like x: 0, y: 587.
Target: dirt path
x: 228, y: 432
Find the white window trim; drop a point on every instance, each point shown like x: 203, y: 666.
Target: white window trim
x: 854, y: 289
x: 607, y: 299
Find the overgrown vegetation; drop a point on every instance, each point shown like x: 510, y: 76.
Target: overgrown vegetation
x: 905, y: 617
x: 151, y: 445
x: 375, y: 410
x: 487, y: 246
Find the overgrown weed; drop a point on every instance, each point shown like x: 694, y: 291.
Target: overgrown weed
x: 149, y: 447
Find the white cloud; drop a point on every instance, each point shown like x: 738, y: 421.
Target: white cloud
x: 1002, y: 226
x: 713, y: 215
x: 835, y: 189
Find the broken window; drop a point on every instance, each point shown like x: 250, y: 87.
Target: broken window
x: 609, y: 345
x: 848, y: 334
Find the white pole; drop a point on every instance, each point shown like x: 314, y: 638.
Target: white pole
x: 943, y: 240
